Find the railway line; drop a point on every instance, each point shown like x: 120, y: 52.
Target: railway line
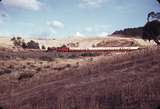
x: 95, y: 49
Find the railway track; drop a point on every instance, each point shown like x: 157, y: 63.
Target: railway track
x: 96, y: 49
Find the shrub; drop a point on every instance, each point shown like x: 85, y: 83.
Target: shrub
x: 29, y: 63
x: 46, y: 58
x: 63, y: 46
x: 51, y: 49
x: 24, y: 45
x: 93, y: 45
x: 19, y: 38
x: 72, y: 56
x: 59, y: 68
x: 61, y: 56
x: 43, y: 47
x: 25, y: 76
x: 5, y: 71
x: 88, y: 54
x: 38, y: 69
x: 68, y: 65
x: 47, y: 66
x: 17, y: 41
x: 11, y: 66
x: 33, y: 45
x: 13, y: 39
x: 1, y: 108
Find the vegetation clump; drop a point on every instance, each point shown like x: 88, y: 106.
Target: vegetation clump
x: 25, y: 76
x: 43, y: 47
x: 5, y: 71
x: 87, y: 54
x: 33, y: 45
x: 19, y: 42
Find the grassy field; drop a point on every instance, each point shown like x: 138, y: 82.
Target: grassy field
x: 34, y: 79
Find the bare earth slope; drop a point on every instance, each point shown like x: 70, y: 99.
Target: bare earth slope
x: 84, y: 42
x: 116, y: 81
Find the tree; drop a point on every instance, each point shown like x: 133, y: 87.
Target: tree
x: 13, y: 39
x: 24, y: 45
x: 151, y: 31
x: 17, y: 41
x: 153, y: 15
x: 158, y: 1
x: 43, y: 47
x: 33, y: 45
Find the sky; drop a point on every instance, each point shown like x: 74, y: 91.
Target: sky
x: 65, y: 18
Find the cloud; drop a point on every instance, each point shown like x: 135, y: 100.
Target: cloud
x: 91, y: 3
x: 78, y: 34
x: 3, y: 17
x: 1, y: 21
x: 97, y: 28
x: 55, y: 24
x: 24, y: 4
x: 103, y: 34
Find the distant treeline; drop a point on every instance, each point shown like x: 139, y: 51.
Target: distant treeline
x: 130, y: 32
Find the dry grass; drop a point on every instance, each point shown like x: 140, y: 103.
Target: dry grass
x: 115, y: 81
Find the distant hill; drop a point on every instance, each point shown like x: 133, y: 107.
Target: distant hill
x: 129, y: 32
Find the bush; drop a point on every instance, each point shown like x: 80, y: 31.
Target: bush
x: 72, y: 56
x: 25, y: 76
x: 17, y: 41
x: 93, y: 45
x: 43, y: 47
x: 13, y: 39
x: 24, y: 45
x: 5, y: 71
x: 33, y: 45
x: 61, y: 56
x: 46, y: 58
x: 88, y: 54
x: 51, y: 49
x: 1, y: 108
x: 38, y: 69
x: 68, y: 65
x: 63, y: 46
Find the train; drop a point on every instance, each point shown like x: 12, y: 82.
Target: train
x: 95, y: 49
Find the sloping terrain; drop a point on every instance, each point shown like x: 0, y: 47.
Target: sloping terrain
x: 130, y: 32
x: 116, y: 81
x: 119, y: 41
x: 84, y: 42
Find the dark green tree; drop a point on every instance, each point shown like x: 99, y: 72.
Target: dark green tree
x: 151, y: 30
x: 158, y: 1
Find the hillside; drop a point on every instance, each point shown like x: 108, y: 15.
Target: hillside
x: 108, y: 41
x: 129, y: 32
x: 112, y: 81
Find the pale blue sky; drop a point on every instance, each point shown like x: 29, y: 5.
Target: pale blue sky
x: 63, y: 18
